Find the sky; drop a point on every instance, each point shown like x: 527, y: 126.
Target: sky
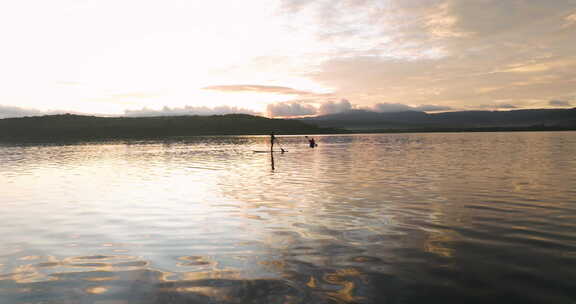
x: 284, y: 58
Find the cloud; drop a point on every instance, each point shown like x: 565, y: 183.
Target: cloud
x: 496, y: 106
x: 432, y: 108
x: 258, y: 89
x: 368, y: 26
x: 371, y: 73
x: 441, y: 23
x: 398, y: 107
x: 450, y: 82
x: 559, y: 103
x: 331, y: 107
x: 293, y: 6
x: 392, y: 107
x: 189, y: 110
x: 498, y: 17
x: 542, y: 66
x: 308, y: 107
x: 290, y: 109
x: 570, y: 20
x: 444, y: 52
x: 304, y: 107
x: 506, y: 106
x: 12, y: 111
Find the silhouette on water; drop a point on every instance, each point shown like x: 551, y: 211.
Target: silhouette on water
x: 272, y: 140
x: 311, y: 142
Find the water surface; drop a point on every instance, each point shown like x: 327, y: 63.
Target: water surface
x: 389, y: 218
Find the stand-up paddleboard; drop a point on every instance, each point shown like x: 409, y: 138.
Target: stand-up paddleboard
x: 268, y: 151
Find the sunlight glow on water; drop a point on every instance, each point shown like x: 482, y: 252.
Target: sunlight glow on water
x: 390, y: 218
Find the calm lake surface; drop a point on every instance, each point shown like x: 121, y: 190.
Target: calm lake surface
x: 387, y: 218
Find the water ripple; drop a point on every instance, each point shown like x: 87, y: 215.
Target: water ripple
x: 400, y: 218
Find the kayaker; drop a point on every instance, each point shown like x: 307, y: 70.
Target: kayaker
x: 311, y: 142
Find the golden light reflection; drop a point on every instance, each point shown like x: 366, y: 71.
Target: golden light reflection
x: 29, y: 258
x: 202, y: 275
x: 312, y: 283
x: 52, y: 268
x: 435, y: 243
x: 346, y: 293
x: 96, y: 290
x: 102, y: 278
x: 26, y: 274
x: 276, y: 265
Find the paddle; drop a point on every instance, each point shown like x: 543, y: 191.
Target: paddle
x: 280, y: 145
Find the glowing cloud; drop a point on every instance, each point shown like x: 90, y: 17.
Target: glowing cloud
x: 189, y: 110
x: 331, y: 107
x: 258, y: 88
x: 290, y: 109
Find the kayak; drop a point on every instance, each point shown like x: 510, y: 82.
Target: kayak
x: 267, y: 151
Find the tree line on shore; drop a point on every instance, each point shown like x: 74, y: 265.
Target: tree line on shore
x: 67, y: 126
x: 82, y: 127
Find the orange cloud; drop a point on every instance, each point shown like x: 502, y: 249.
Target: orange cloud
x: 258, y: 89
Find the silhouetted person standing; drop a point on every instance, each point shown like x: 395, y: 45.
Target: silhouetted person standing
x: 272, y: 140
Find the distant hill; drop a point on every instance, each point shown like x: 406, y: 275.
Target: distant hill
x: 91, y: 127
x: 368, y: 121
x: 80, y: 127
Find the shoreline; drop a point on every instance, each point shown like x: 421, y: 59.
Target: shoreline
x: 69, y: 127
x: 77, y: 139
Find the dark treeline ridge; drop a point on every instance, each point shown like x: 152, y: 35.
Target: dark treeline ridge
x: 463, y: 121
x: 67, y: 126
x: 82, y: 127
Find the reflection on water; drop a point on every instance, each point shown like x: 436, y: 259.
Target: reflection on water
x: 402, y: 218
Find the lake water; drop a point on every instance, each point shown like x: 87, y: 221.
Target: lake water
x: 386, y: 218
